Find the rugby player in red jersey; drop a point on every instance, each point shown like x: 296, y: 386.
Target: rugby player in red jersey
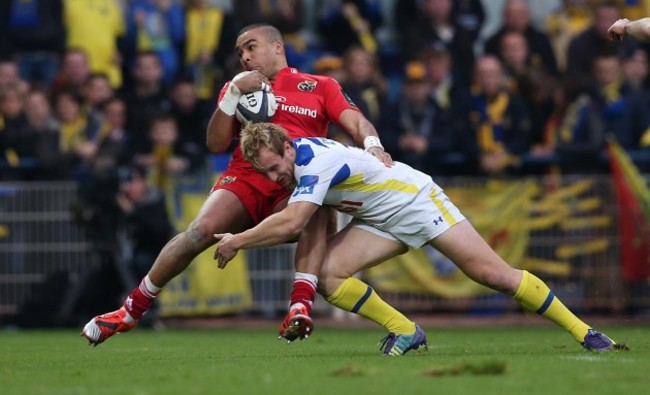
x: 241, y: 197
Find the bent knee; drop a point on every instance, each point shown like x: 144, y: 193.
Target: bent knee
x: 330, y: 280
x: 327, y: 287
x: 200, y: 234
x: 503, y: 279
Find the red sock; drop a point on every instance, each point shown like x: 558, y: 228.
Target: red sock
x: 304, y: 290
x: 141, y: 299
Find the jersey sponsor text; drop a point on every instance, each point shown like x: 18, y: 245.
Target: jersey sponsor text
x: 306, y: 185
x: 299, y: 110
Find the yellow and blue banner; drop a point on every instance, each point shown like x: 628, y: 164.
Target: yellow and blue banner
x: 505, y: 214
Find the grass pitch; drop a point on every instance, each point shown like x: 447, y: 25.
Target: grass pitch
x: 477, y: 361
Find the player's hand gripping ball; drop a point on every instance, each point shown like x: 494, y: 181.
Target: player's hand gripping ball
x: 258, y: 106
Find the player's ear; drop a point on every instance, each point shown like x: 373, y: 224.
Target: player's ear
x: 279, y: 47
x: 288, y: 147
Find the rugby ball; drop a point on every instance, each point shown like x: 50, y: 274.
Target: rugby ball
x: 258, y: 106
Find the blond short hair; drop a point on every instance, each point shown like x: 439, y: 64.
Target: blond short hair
x: 256, y: 136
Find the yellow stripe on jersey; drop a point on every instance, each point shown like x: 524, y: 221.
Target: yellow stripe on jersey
x: 441, y: 207
x: 357, y: 184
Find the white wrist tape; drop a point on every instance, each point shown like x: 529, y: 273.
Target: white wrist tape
x: 228, y: 105
x: 372, y: 141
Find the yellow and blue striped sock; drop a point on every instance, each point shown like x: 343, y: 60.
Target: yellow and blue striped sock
x: 358, y: 297
x: 534, y: 295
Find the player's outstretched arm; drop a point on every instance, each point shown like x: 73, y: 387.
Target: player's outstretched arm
x: 364, y: 134
x: 638, y: 29
x: 275, y: 229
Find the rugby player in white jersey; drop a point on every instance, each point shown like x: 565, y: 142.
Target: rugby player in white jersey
x: 393, y: 208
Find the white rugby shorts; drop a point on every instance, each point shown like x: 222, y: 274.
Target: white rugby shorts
x: 429, y: 215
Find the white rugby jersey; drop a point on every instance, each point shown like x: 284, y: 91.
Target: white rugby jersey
x: 355, y: 182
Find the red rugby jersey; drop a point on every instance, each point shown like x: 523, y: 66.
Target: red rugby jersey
x: 306, y: 105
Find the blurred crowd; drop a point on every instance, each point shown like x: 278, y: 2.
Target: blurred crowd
x: 90, y: 86
x: 116, y: 94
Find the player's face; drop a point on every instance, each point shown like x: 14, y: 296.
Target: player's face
x: 276, y: 168
x: 255, y: 52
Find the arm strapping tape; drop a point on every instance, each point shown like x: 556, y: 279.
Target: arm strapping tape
x: 228, y: 105
x: 371, y: 141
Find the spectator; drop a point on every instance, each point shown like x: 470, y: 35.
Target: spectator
x: 635, y: 70
x: 103, y: 154
x: 143, y: 224
x: 38, y: 112
x: 452, y: 103
x: 574, y: 133
x: 10, y: 76
x: 192, y: 116
x: 468, y: 15
x: 594, y: 41
x: 44, y: 129
x: 570, y: 18
x: 12, y: 109
x: 408, y: 133
x: 365, y: 86
x: 364, y: 82
x: 514, y: 54
x: 530, y: 81
x: 144, y: 218
x: 95, y: 26
x: 77, y: 130
x: 344, y: 23
x: 144, y: 98
x: 428, y: 122
x: 622, y: 109
x: 96, y: 91
x: 582, y: 120
x: 500, y: 121
x: 163, y: 161
x: 157, y: 26
x: 74, y: 71
x: 204, y: 25
x: 331, y: 66
x: 434, y: 28
x: 538, y: 90
x: 16, y: 143
x: 287, y: 15
x: 35, y: 37
x: 516, y: 18
x: 113, y: 148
